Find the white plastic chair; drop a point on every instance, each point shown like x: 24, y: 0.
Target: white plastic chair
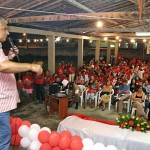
x: 96, y: 97
x: 109, y: 103
x: 127, y: 102
x: 135, y: 109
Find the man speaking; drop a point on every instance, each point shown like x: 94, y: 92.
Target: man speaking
x: 8, y: 91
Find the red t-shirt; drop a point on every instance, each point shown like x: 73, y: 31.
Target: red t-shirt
x: 71, y: 70
x: 28, y: 82
x: 39, y: 79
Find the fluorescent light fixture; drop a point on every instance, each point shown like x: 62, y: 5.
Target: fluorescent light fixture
x: 142, y: 33
x: 57, y: 39
x: 112, y: 45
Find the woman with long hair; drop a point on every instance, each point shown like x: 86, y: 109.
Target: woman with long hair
x: 138, y: 98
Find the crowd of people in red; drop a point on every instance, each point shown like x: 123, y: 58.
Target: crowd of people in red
x: 94, y: 75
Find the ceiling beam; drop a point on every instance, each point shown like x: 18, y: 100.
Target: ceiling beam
x: 44, y: 32
x: 127, y: 30
x: 79, y: 5
x: 77, y: 16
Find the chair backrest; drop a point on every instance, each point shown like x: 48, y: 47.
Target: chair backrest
x: 82, y: 87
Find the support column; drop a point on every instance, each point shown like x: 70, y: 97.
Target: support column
x: 116, y: 51
x: 97, y: 50
x: 108, y: 52
x: 51, y: 54
x: 80, y: 52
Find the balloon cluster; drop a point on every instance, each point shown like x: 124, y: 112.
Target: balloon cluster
x: 32, y: 137
x: 88, y: 144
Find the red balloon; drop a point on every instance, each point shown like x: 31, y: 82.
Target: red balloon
x: 64, y: 142
x: 11, y: 120
x: 17, y: 121
x: 43, y: 137
x: 56, y: 148
x: 14, y: 128
x: 45, y: 146
x: 76, y: 137
x: 76, y: 145
x: 25, y: 122
x: 65, y: 133
x: 15, y: 140
x: 54, y: 139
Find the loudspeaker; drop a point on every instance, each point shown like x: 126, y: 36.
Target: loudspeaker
x: 53, y: 88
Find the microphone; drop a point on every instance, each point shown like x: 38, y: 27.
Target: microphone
x: 12, y: 45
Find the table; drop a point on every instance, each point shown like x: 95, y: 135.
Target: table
x: 59, y: 105
x: 106, y: 134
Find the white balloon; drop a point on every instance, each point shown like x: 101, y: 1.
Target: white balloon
x: 87, y: 142
x: 45, y: 129
x: 25, y: 142
x: 35, y: 145
x: 89, y: 147
x: 99, y: 146
x: 23, y: 130
x: 35, y: 126
x: 111, y: 147
x: 33, y: 134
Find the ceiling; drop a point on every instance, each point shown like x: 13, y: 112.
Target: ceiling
x: 120, y: 17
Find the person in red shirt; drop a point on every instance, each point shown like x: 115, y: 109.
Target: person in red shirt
x: 71, y: 73
x: 47, y: 82
x: 28, y: 85
x: 60, y: 71
x: 39, y: 85
x: 21, y: 91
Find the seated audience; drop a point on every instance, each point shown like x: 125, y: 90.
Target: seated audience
x: 138, y: 98
x: 106, y: 90
x: 124, y: 93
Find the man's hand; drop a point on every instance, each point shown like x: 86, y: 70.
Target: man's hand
x: 11, y: 53
x: 36, y: 68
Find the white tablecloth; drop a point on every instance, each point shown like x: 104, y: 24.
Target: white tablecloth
x: 106, y: 134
